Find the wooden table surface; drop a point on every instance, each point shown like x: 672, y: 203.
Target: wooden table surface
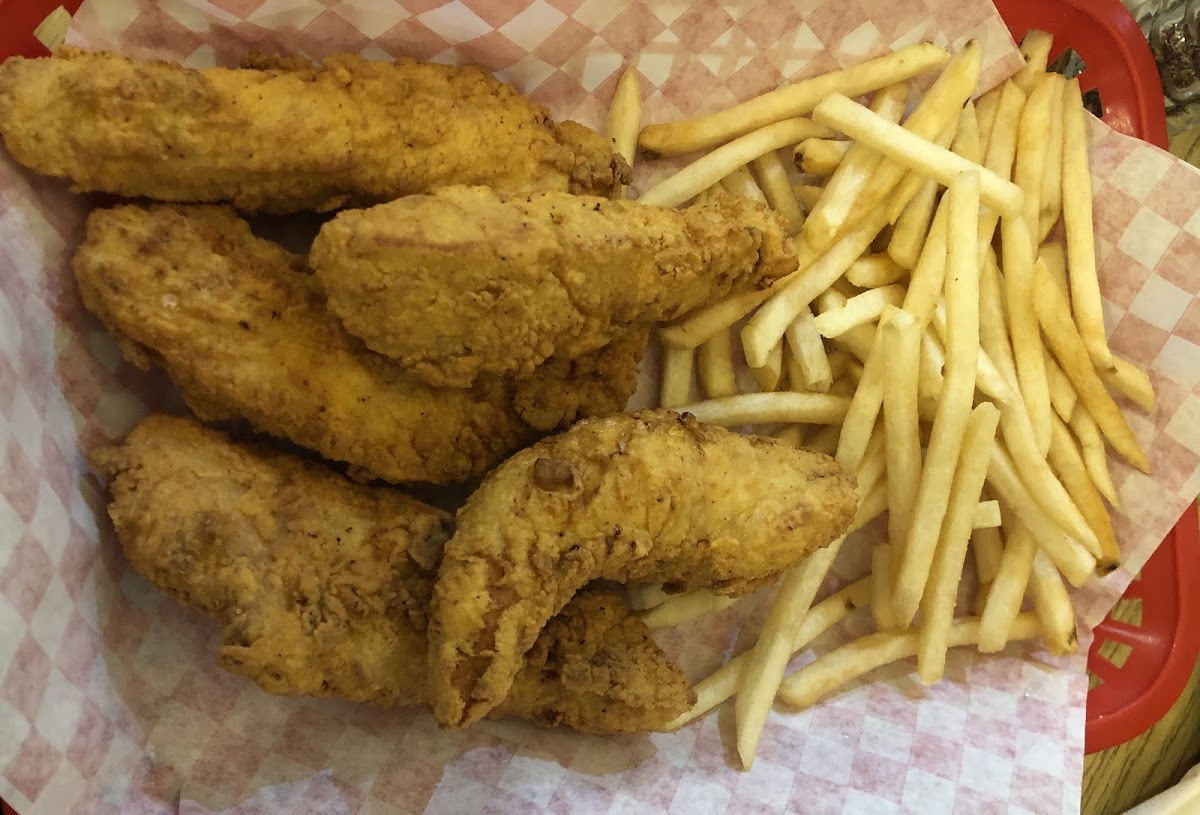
x: 1125, y: 775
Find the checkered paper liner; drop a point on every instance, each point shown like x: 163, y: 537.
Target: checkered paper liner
x: 110, y: 700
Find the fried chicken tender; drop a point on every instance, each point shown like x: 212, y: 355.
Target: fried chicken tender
x: 322, y: 585
x: 650, y: 497
x: 469, y: 281
x: 241, y: 326
x: 287, y: 136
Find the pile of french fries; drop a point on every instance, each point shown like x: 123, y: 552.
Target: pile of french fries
x: 942, y: 338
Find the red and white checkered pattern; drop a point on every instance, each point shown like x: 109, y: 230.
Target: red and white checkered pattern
x: 109, y: 698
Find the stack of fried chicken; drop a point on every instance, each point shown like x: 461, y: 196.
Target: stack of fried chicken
x: 496, y: 291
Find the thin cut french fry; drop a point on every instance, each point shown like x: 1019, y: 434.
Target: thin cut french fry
x: 712, y: 167
x: 987, y: 515
x: 773, y: 180
x: 908, y: 188
x: 1072, y: 559
x: 808, y: 195
x: 808, y: 350
x: 766, y: 408
x: 1001, y: 151
x: 1062, y: 396
x: 714, y: 361
x: 723, y: 682
x: 1068, y: 463
x: 929, y: 275
x: 625, y: 115
x: 912, y: 227
x: 820, y: 156
x: 676, y: 376
x: 1008, y: 589
x: 966, y: 138
x: 1055, y: 259
x: 875, y: 271
x: 1051, y: 197
x: 701, y: 324
x: 902, y: 437
x: 859, y: 422
x: 683, y: 608
x: 930, y: 379
x: 859, y: 310
x: 645, y: 596
x: 769, y: 374
x: 792, y: 100
x: 954, y: 407
x: 846, y: 663
x: 1095, y: 457
x: 770, y: 322
x: 1035, y: 47
x: 985, y: 116
x: 941, y: 589
x: 1077, y: 218
x: 1019, y: 274
x: 793, y: 435
x: 988, y: 547
x: 830, y: 212
x: 1053, y: 606
x: 993, y: 328
x: 1130, y: 381
x: 988, y: 378
x: 741, y: 184
x: 1071, y: 351
x: 902, y: 145
x: 881, y: 587
x: 1032, y: 146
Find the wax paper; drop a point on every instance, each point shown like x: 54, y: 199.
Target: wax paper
x: 110, y: 699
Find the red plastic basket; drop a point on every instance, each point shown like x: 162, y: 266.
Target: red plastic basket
x: 1132, y: 697
x: 1136, y: 695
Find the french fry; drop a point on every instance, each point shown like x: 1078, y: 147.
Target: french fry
x: 676, y: 377
x: 625, y: 115
x: 723, y: 682
x: 1019, y: 274
x: 698, y: 326
x: 770, y: 372
x: 1072, y: 559
x: 741, y: 184
x: 1070, y: 349
x: 645, y: 596
x: 1001, y: 151
x: 1054, y: 257
x: 808, y: 350
x: 1131, y: 381
x: 985, y: 116
x: 1052, y: 605
x: 874, y: 465
x: 881, y: 587
x: 767, y: 408
x: 1032, y: 146
x: 912, y: 227
x: 1035, y: 47
x: 966, y: 142
x: 820, y: 156
x: 770, y: 322
x: 930, y: 379
x: 824, y: 440
x: 875, y: 271
x: 714, y: 362
x: 1067, y: 461
x: 1007, y: 590
x: 683, y: 608
x: 793, y: 435
x: 1077, y: 218
x: 839, y: 361
x: 859, y: 421
x: 848, y: 662
x: 859, y: 310
x: 954, y: 408
x: 710, y: 168
x: 987, y: 546
x: 929, y: 275
x: 1051, y: 196
x: 1095, y: 457
x: 793, y: 100
x: 902, y: 145
x: 987, y: 515
x: 902, y: 438
x: 988, y: 378
x: 808, y: 195
x: 774, y: 182
x: 831, y: 212
x: 941, y: 589
x: 1062, y: 396
x: 993, y: 325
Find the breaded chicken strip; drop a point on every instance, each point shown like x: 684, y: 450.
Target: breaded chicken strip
x: 241, y: 327
x: 321, y: 585
x: 651, y: 497
x: 470, y: 281
x: 287, y: 136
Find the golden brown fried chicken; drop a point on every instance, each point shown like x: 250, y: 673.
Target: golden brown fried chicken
x: 470, y: 281
x: 651, y: 497
x: 322, y: 585
x: 286, y: 136
x: 241, y: 327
